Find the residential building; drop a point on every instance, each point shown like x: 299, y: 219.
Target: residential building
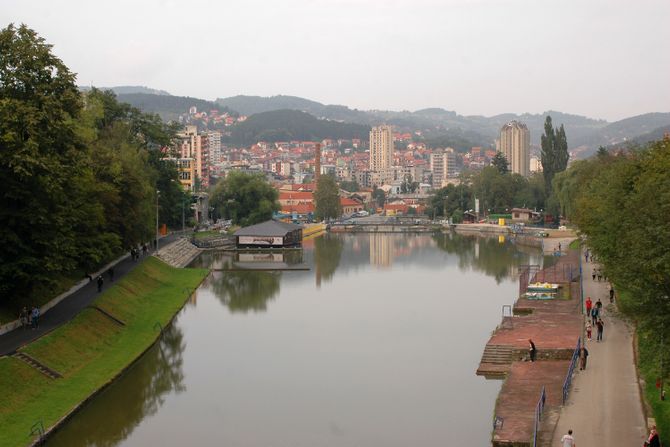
x: 443, y: 166
x: 515, y: 145
x: 195, y: 146
x: 214, y: 147
x: 381, y: 151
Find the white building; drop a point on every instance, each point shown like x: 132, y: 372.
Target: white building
x: 515, y: 146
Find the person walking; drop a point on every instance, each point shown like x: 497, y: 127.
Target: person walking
x: 586, y: 256
x: 653, y: 440
x: 611, y: 293
x: 594, y: 315
x: 568, y: 440
x: 532, y: 350
x: 589, y: 305
x: 35, y: 314
x: 599, y: 306
x: 145, y: 249
x: 101, y: 281
x: 25, y: 318
x: 601, y: 327
x: 600, y: 275
x: 593, y: 275
x: 583, y: 356
x: 589, y: 329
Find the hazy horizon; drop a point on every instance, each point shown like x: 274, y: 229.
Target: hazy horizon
x: 600, y: 59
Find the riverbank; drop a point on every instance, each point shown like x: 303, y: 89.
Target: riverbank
x: 91, y: 350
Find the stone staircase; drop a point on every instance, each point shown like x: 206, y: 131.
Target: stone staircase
x: 179, y: 253
x: 50, y: 373
x: 496, y: 361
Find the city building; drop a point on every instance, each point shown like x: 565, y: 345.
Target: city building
x: 381, y: 152
x: 195, y: 146
x: 214, y: 147
x: 535, y: 164
x: 443, y: 166
x: 515, y: 145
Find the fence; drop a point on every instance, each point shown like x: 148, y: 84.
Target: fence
x: 539, y: 409
x: 571, y: 369
x: 526, y: 272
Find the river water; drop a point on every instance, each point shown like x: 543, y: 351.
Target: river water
x: 375, y: 345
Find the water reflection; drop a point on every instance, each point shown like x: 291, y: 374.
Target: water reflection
x: 138, y: 393
x: 245, y: 291
x: 496, y: 258
x: 327, y: 254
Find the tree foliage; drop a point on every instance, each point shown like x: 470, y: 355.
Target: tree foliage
x: 554, y: 152
x: 621, y: 204
x: 327, y: 198
x: 246, y: 199
x: 78, y: 175
x: 500, y: 163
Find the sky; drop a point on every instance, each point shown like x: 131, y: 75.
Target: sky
x: 603, y: 59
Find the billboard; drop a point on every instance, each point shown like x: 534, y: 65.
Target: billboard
x: 260, y: 240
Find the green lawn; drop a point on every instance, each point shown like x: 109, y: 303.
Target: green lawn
x: 92, y: 349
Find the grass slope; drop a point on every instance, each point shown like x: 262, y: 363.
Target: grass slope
x: 91, y: 349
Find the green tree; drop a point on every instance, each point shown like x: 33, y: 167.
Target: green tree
x: 500, y: 163
x: 408, y: 185
x: 43, y: 164
x: 554, y: 153
x: 245, y: 198
x: 379, y: 196
x: 327, y: 198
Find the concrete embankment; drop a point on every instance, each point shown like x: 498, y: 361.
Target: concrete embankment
x: 555, y: 326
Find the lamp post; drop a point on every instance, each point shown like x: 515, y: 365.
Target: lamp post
x: 157, y: 194
x: 183, y: 226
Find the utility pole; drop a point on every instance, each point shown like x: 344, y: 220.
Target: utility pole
x: 182, y: 215
x: 157, y: 194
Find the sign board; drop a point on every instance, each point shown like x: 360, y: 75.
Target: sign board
x: 260, y: 240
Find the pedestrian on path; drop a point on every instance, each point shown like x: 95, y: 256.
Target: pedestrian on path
x: 145, y: 249
x: 559, y: 247
x: 101, y: 281
x: 654, y: 440
x: 24, y: 317
x: 594, y: 315
x: 586, y: 256
x: 35, y: 314
x: 600, y: 275
x: 611, y: 293
x: 589, y: 329
x: 532, y: 350
x: 593, y: 275
x: 583, y: 356
x: 568, y: 440
x: 601, y: 327
x: 589, y: 305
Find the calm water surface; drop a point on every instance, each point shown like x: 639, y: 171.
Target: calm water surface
x: 376, y: 345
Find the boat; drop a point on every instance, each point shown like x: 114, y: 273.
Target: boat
x: 540, y: 295
x: 542, y: 287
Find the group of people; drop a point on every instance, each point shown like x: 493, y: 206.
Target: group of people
x: 594, y: 318
x: 135, y: 252
x: 30, y: 317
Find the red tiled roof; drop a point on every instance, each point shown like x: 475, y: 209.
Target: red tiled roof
x: 302, y: 208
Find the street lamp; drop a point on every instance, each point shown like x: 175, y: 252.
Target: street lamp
x: 157, y: 194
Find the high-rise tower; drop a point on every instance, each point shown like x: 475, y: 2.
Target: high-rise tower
x: 515, y: 146
x: 381, y: 148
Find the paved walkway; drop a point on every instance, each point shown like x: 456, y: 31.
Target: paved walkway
x: 68, y: 308
x: 604, y: 407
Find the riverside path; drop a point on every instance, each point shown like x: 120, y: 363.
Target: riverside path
x: 604, y: 406
x: 68, y: 308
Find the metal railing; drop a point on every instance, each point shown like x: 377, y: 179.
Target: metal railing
x: 539, y: 409
x: 571, y: 369
x: 37, y: 429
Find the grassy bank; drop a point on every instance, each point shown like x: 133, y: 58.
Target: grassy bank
x: 92, y: 349
x: 649, y: 366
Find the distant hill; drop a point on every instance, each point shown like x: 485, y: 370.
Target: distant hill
x: 126, y: 89
x: 169, y: 107
x: 638, y: 129
x: 436, y: 126
x: 286, y: 125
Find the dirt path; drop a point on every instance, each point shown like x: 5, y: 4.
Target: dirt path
x: 604, y: 407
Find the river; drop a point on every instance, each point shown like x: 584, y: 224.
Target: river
x: 375, y: 345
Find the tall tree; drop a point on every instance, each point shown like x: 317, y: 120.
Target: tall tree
x: 327, y: 198
x: 500, y: 163
x: 43, y: 165
x: 247, y: 199
x: 554, y: 152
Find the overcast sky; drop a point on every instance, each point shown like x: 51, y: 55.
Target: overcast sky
x: 604, y: 59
